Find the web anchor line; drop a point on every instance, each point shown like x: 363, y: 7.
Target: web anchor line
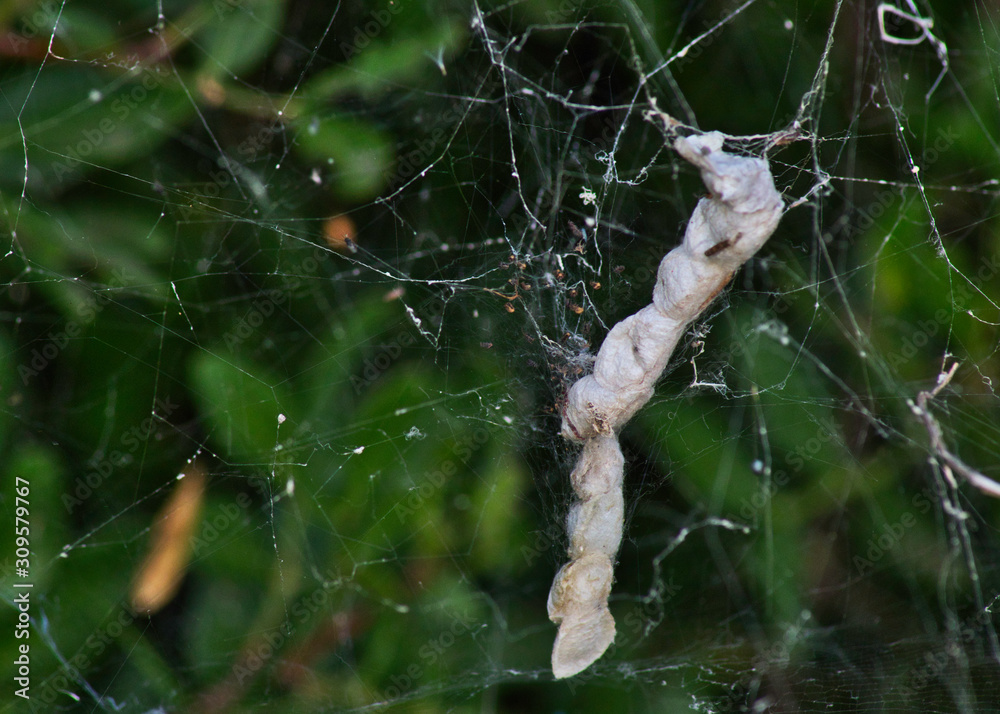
x: 725, y: 230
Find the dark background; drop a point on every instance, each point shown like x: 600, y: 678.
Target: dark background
x: 332, y: 263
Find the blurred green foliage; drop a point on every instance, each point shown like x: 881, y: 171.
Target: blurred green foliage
x: 386, y: 488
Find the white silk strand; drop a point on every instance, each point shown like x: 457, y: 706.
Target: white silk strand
x: 725, y: 230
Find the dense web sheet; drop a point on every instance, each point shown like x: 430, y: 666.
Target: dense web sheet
x: 294, y: 292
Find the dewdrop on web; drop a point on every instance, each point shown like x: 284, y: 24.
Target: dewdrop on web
x: 726, y: 229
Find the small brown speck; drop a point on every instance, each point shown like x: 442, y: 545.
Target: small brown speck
x: 717, y: 248
x: 340, y: 233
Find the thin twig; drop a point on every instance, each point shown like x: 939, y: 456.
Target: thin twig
x: 949, y: 463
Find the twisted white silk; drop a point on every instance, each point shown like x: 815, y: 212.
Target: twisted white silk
x: 725, y: 230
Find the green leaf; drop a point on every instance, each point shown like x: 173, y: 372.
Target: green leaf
x: 377, y: 65
x: 239, y: 405
x: 71, y: 128
x: 111, y: 244
x: 359, y: 154
x: 497, y: 527
x: 239, y: 34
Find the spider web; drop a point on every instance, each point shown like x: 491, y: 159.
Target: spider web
x: 293, y: 292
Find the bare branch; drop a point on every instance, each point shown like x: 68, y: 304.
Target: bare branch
x: 949, y: 463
